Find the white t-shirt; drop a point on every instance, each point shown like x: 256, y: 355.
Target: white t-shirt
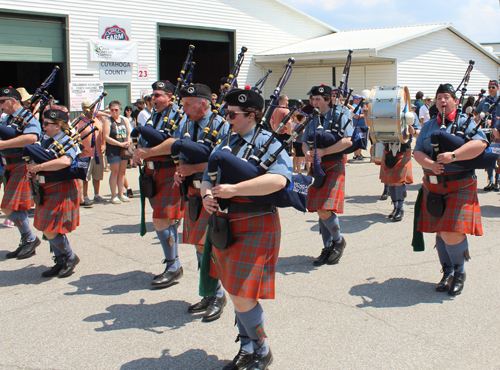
x: 143, y: 117
x: 424, y: 113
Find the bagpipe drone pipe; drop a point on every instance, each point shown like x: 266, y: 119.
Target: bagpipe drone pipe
x: 235, y: 170
x: 79, y: 168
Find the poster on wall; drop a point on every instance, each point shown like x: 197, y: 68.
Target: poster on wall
x: 116, y: 29
x: 142, y: 71
x: 113, y: 51
x: 79, y: 92
x: 115, y: 71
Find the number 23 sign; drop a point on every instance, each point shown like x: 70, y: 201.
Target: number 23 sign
x: 142, y: 71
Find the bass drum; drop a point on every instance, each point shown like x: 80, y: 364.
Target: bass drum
x: 389, y: 109
x: 378, y: 152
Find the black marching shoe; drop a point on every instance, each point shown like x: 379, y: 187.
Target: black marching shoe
x: 323, y: 257
x: 14, y: 254
x: 398, y: 216
x: 496, y: 187
x: 201, y: 306
x: 445, y: 283
x: 384, y: 195
x: 489, y: 187
x: 242, y: 360
x: 261, y: 362
x: 215, y: 309
x: 54, y: 270
x: 167, y: 278
x: 28, y: 248
x: 458, y: 283
x: 391, y: 215
x: 337, y: 251
x: 69, y: 266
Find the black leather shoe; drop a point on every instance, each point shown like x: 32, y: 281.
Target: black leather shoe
x: 338, y: 250
x: 69, y: 266
x: 54, y: 270
x: 201, y: 306
x: 458, y: 283
x: 384, y: 195
x: 398, y: 216
x: 215, y: 309
x: 323, y: 257
x: 391, y: 215
x: 445, y: 283
x: 167, y: 278
x: 261, y: 362
x: 496, y: 187
x: 489, y: 187
x: 15, y: 253
x: 242, y: 360
x: 28, y: 248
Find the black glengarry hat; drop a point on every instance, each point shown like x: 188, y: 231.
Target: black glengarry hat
x: 446, y: 88
x: 196, y: 91
x: 245, y: 99
x: 9, y: 92
x: 164, y: 85
x: 321, y: 90
x: 56, y: 114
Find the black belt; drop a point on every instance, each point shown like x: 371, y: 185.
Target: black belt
x: 236, y: 207
x: 332, y: 157
x: 439, y: 179
x: 13, y: 160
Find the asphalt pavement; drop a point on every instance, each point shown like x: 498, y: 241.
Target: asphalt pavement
x: 376, y: 309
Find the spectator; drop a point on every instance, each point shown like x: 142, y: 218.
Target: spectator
x: 127, y: 113
x: 145, y: 114
x: 418, y: 102
x: 358, y: 121
x: 424, y: 115
x: 139, y: 104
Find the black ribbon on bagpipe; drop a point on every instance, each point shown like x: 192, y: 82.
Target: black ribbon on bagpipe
x: 463, y: 92
x: 344, y: 81
x: 259, y: 85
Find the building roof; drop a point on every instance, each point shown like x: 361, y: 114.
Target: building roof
x: 307, y: 16
x: 374, y: 40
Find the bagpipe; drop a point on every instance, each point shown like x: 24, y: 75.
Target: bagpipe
x: 198, y: 151
x: 26, y: 114
x: 235, y: 170
x: 79, y: 168
x: 149, y: 132
x: 443, y: 141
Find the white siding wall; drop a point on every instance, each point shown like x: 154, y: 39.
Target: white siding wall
x: 367, y: 76
x: 260, y: 25
x: 440, y: 57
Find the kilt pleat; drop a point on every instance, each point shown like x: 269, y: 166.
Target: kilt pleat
x: 194, y: 232
x: 462, y: 213
x: 247, y: 268
x: 60, y: 212
x: 401, y: 172
x: 167, y: 203
x: 17, y: 193
x: 331, y: 195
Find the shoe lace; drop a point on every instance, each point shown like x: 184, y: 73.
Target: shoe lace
x: 325, y: 252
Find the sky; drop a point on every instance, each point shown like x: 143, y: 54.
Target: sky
x: 477, y: 19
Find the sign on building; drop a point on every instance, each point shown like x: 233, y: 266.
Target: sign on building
x: 116, y: 29
x: 79, y: 92
x: 115, y: 71
x: 113, y: 51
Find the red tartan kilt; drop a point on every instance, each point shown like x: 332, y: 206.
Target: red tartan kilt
x: 247, y: 268
x: 167, y: 203
x: 462, y: 214
x: 331, y: 195
x: 60, y: 212
x: 17, y: 194
x: 401, y: 172
x: 194, y: 232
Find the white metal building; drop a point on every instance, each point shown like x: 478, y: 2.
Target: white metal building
x: 420, y: 57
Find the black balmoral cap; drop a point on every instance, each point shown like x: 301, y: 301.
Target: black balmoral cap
x: 9, y: 92
x: 245, y: 99
x: 445, y: 88
x: 196, y: 91
x: 166, y: 86
x: 56, y: 114
x: 321, y: 90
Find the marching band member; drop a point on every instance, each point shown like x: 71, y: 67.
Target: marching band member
x: 167, y: 204
x: 59, y: 213
x: 396, y: 171
x: 196, y: 104
x: 247, y: 267
x: 447, y: 185
x: 17, y: 199
x: 329, y: 200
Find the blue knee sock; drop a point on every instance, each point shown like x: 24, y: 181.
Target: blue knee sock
x: 20, y: 218
x: 458, y: 254
x: 386, y: 187
x: 392, y: 194
x: 489, y: 171
x: 400, y: 192
x: 325, y: 234
x: 333, y: 225
x: 444, y: 258
x: 253, y: 321
x: 199, y: 257
x: 220, y: 291
x: 246, y: 342
x: 60, y: 246
x: 168, y: 239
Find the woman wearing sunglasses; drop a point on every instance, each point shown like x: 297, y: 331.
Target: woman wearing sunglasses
x: 59, y: 212
x: 247, y: 267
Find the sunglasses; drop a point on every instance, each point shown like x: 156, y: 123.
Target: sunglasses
x: 492, y: 86
x: 231, y: 114
x: 157, y: 95
x: 114, y: 110
x: 48, y: 123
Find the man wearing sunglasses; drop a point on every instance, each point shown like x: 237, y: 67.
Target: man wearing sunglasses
x: 166, y: 203
x: 17, y: 199
x: 483, y: 106
x: 196, y: 104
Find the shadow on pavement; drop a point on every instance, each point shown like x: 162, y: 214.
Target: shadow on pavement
x: 108, y: 284
x: 170, y: 314
x: 490, y: 211
x: 127, y: 229
x: 194, y: 359
x: 28, y: 275
x: 363, y: 199
x: 397, y: 292
x: 296, y: 264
